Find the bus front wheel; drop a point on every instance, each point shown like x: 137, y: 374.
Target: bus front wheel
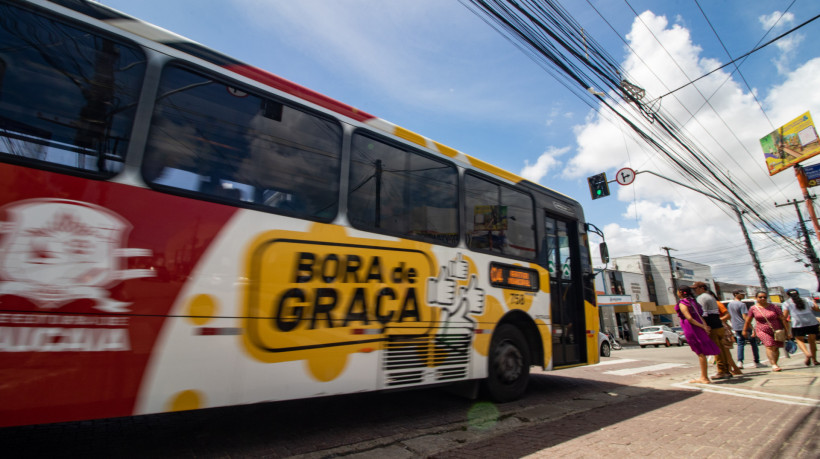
x: 509, y: 365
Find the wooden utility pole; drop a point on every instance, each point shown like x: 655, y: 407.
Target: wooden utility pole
x: 808, y: 247
x: 804, y: 185
x: 672, y: 272
x: 755, y: 260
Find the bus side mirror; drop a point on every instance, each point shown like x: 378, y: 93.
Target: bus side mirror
x: 604, y: 252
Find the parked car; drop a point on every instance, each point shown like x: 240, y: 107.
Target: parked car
x: 657, y: 335
x: 681, y: 336
x: 604, y: 347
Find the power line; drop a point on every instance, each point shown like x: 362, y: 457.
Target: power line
x: 683, y: 105
x: 547, y: 34
x: 737, y: 66
x: 756, y: 49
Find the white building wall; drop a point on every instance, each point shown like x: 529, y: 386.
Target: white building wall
x: 635, y: 285
x: 631, y: 263
x: 686, y: 273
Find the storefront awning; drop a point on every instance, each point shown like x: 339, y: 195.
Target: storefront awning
x: 645, y: 307
x: 665, y: 309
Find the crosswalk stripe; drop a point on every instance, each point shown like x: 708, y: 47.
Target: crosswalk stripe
x: 613, y: 362
x: 737, y: 392
x: 632, y: 371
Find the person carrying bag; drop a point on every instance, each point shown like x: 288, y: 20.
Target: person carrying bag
x: 764, y: 313
x: 728, y: 340
x: 779, y: 334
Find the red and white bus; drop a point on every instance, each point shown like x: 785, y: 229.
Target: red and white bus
x: 179, y: 230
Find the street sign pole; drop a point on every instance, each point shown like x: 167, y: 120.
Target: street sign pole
x: 804, y: 185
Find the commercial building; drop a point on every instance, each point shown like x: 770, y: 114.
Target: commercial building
x: 640, y: 290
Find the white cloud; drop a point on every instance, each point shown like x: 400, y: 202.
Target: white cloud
x: 787, y: 45
x: 558, y: 111
x: 776, y: 18
x: 728, y: 128
x: 547, y: 161
x: 796, y: 94
x: 401, y: 51
x: 342, y: 33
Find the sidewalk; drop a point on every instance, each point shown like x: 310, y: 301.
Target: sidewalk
x: 687, y: 421
x: 707, y: 425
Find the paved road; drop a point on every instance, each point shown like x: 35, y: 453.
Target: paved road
x: 635, y: 403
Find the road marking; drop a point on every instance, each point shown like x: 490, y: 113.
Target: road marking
x: 632, y: 371
x: 613, y: 362
x: 746, y: 393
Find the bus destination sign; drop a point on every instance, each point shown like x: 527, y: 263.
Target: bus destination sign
x: 514, y: 277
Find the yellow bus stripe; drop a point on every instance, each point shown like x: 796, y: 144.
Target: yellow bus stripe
x: 410, y: 135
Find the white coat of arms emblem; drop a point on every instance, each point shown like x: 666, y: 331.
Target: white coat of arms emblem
x: 54, y: 251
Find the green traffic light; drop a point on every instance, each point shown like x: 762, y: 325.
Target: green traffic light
x: 598, y: 187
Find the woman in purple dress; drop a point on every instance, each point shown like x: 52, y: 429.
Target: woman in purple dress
x: 695, y: 330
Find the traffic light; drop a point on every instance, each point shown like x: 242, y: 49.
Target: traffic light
x: 598, y: 186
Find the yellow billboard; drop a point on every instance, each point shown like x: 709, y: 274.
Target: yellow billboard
x: 791, y: 143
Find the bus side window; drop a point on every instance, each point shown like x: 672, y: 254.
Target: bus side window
x: 231, y: 139
x: 401, y: 192
x: 499, y: 218
x: 67, y: 95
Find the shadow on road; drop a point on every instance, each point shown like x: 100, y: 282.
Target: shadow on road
x: 556, y: 408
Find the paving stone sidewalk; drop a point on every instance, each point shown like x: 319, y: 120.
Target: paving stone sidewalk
x: 706, y: 425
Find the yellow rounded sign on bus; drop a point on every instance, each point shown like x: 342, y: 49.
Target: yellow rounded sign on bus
x: 322, y: 295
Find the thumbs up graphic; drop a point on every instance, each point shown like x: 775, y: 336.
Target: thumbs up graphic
x: 474, y: 297
x: 459, y: 267
x: 441, y: 289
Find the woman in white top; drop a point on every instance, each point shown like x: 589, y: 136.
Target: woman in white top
x: 804, y: 324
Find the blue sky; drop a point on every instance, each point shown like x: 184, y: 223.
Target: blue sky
x: 434, y: 67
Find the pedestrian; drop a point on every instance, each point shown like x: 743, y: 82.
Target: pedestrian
x: 804, y: 325
x: 728, y: 340
x: 738, y: 311
x: 626, y: 332
x: 768, y: 320
x: 696, y: 331
x: 711, y: 314
x: 789, y: 347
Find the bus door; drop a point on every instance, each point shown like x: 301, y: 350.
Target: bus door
x: 566, y: 292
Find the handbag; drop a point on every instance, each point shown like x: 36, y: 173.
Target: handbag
x: 728, y: 339
x: 779, y: 335
x: 730, y: 335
